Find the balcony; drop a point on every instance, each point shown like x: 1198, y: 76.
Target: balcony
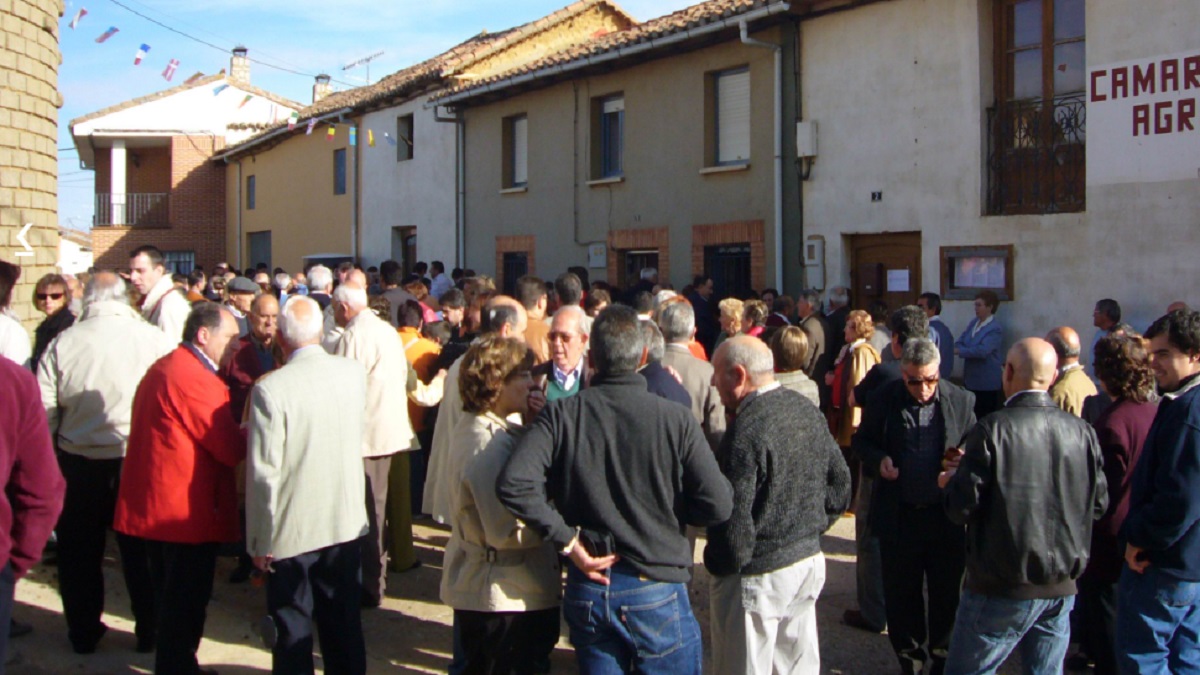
x: 132, y: 209
x: 1036, y: 160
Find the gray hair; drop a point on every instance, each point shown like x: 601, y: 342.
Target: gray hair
x: 839, y: 295
x: 282, y: 281
x: 677, y: 321
x: 749, y: 353
x: 652, y: 342
x: 297, y: 331
x: 920, y: 352
x: 811, y: 296
x: 320, y: 278
x: 616, y: 341
x: 351, y: 295
x: 105, y: 287
x: 580, y: 317
x: 648, y: 273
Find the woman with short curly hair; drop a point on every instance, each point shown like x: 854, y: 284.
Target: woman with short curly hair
x: 500, y: 578
x: 754, y: 318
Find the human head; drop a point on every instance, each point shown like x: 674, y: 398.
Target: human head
x: 1174, y: 348
x: 50, y: 294
x: 703, y: 284
x: 789, y: 346
x: 437, y: 268
x: 741, y: 366
x: 494, y: 376
x: 380, y: 306
x: 754, y: 313
x: 1178, y: 306
x: 906, y: 323
x: 1065, y: 341
x: 859, y: 326
x: 221, y: 268
x: 241, y: 292
x: 580, y: 272
x: 391, y: 274
x: 196, y: 280
x: 596, y: 301
x: 301, y: 323
x: 643, y: 302
x: 920, y: 367
x: 320, y: 279
x: 1106, y: 314
x: 569, y: 289
x: 986, y: 303
x: 145, y: 268
x: 416, y: 287
x: 263, y: 280
x: 283, y: 281
x: 807, y: 303
x: 677, y: 321
x: 9, y: 273
x: 105, y: 287
x: 731, y: 315
x: 649, y: 274
x: 878, y: 309
x: 839, y: 296
x: 616, y: 341
x: 438, y: 331
x: 769, y: 295
x: 454, y: 305
x: 568, y: 338
x: 421, y: 268
x: 503, y: 316
x: 784, y: 306
x: 531, y: 293
x: 1030, y: 364
x: 931, y: 303
x: 211, y: 329
x: 410, y: 315
x: 264, y: 318
x: 653, y: 345
x: 349, y: 300
x: 1122, y: 365
x: 344, y: 269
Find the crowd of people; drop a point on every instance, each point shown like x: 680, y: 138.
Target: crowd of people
x: 577, y: 440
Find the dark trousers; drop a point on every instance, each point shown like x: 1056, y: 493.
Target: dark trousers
x: 418, y: 467
x: 501, y: 643
x: 374, y: 543
x: 320, y: 587
x: 183, y: 582
x: 926, y: 549
x: 87, y: 515
x: 8, y: 584
x: 987, y: 402
x: 1097, y: 608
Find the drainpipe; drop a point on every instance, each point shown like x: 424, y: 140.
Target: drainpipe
x: 460, y: 184
x: 778, y: 127
x: 238, y: 246
x: 357, y: 194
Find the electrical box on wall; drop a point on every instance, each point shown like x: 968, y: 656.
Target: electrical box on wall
x: 814, y: 263
x: 806, y: 139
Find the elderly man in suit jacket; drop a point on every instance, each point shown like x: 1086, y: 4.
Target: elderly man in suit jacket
x: 678, y: 324
x: 304, y: 496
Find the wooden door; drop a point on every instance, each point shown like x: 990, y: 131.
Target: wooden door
x: 886, y: 267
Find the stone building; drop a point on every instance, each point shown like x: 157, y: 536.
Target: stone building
x: 29, y: 102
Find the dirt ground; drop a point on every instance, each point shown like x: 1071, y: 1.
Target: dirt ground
x: 409, y: 634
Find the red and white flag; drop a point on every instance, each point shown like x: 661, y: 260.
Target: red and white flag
x: 141, y: 54
x: 170, y: 71
x: 78, y: 15
x: 113, y: 30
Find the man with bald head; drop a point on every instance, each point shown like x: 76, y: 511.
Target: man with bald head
x: 1028, y: 484
x: 256, y: 353
x: 1073, y: 386
x: 790, y: 484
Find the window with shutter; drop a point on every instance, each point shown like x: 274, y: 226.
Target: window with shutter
x: 731, y: 89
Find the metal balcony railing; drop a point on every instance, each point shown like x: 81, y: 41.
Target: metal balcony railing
x: 132, y: 209
x: 1036, y: 156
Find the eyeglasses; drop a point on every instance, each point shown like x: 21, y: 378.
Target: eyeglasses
x: 918, y: 381
x: 561, y: 336
x: 49, y: 296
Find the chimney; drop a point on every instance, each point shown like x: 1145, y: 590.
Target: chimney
x: 239, y: 65
x: 322, y: 88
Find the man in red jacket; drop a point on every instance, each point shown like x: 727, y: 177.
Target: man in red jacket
x: 33, y: 487
x: 178, y: 490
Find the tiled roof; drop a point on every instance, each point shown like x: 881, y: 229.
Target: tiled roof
x: 203, y: 81
x: 433, y: 72
x: 688, y: 19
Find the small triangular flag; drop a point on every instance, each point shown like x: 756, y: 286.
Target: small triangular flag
x: 113, y: 30
x: 220, y: 88
x: 170, y: 70
x: 193, y: 78
x: 245, y: 100
x: 311, y: 123
x: 78, y: 15
x: 292, y: 119
x: 330, y: 134
x: 141, y: 54
x: 370, y: 138
x: 353, y: 136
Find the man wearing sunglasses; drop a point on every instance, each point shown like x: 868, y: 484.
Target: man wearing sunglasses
x: 906, y: 429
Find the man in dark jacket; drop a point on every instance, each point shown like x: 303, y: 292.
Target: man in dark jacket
x: 626, y: 472
x: 906, y: 427
x: 1028, y: 486
x: 790, y: 483
x: 1158, y: 617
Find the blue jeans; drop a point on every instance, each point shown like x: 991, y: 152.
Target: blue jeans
x: 987, y: 629
x: 1158, y: 623
x: 631, y: 625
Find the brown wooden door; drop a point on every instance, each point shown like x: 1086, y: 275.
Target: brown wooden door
x: 887, y: 267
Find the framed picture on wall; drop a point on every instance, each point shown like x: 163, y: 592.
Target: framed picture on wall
x: 966, y: 270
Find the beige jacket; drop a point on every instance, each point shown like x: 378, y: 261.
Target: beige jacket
x: 167, y: 308
x: 375, y: 344
x: 438, y: 487
x: 89, y: 374
x: 305, y: 486
x: 493, y: 562
x: 1071, y: 389
x: 697, y: 380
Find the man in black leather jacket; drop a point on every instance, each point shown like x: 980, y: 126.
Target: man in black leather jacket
x: 1028, y: 488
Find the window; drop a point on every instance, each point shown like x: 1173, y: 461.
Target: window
x: 339, y: 172
x: 731, y: 117
x: 966, y: 270
x: 633, y: 261
x: 404, y: 138
x: 179, y: 262
x: 1036, y: 130
x: 608, y: 136
x: 516, y: 158
x: 516, y: 265
x: 249, y: 193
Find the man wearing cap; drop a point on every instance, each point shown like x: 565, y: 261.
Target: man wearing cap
x: 241, y: 292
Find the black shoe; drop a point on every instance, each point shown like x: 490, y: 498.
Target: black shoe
x: 854, y: 619
x: 17, y: 629
x: 241, y: 574
x: 369, y: 602
x: 89, y: 646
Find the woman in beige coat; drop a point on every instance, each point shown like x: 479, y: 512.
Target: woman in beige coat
x: 501, y: 579
x: 856, y: 359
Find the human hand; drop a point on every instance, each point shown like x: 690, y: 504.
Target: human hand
x: 1134, y: 560
x: 888, y: 470
x: 537, y: 401
x: 592, y: 567
x: 951, y: 458
x: 829, y: 379
x: 944, y: 478
x: 263, y: 563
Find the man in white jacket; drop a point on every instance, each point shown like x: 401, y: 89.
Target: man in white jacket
x: 162, y: 304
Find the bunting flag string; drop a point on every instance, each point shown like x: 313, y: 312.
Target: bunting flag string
x: 141, y: 54
x: 370, y: 138
x: 331, y: 133
x: 170, y: 70
x: 220, y: 88
x: 245, y: 100
x: 78, y: 15
x: 292, y: 119
x: 112, y: 30
x: 353, y: 137
x: 194, y: 78
x: 311, y: 123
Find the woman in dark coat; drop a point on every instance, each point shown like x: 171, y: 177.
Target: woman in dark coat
x: 51, y: 296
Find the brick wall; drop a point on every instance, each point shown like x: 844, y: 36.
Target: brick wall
x: 29, y: 101
x: 620, y: 241
x: 523, y: 243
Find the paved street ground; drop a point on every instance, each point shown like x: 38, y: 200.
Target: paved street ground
x: 409, y: 634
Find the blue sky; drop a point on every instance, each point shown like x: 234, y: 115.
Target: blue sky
x: 310, y: 36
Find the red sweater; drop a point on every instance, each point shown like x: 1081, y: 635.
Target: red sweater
x: 33, y: 486
x: 178, y: 481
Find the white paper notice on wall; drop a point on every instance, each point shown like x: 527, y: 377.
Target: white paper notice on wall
x: 897, y: 281
x: 597, y: 255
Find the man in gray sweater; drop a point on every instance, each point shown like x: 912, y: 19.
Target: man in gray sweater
x: 790, y: 483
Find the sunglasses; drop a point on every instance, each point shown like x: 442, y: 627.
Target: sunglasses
x: 918, y: 381
x: 49, y: 296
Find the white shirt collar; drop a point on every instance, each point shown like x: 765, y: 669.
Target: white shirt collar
x: 981, y: 324
x: 765, y: 389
